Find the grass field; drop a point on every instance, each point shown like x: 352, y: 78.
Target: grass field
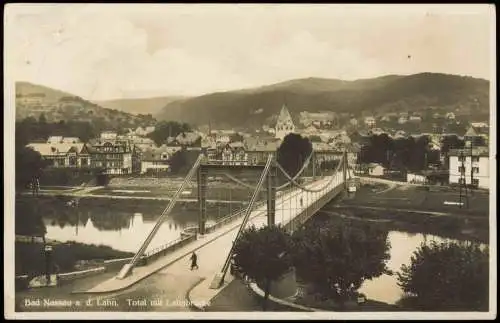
x: 416, y: 197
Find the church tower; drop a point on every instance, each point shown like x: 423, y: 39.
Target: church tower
x: 284, y: 124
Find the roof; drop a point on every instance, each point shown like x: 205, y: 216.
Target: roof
x: 236, y: 144
x: 187, y: 137
x: 156, y: 153
x: 55, y: 139
x: 321, y: 146
x: 284, y: 116
x: 263, y: 146
x: 471, y: 132
x: 51, y: 149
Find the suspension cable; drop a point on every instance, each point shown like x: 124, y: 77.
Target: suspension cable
x: 248, y: 212
x: 303, y: 187
x: 166, y: 211
x: 250, y: 186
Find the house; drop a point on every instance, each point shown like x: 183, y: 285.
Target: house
x: 114, y: 156
x: 403, y: 119
x: 321, y: 146
x: 258, y: 150
x: 155, y: 160
x: 416, y: 178
x: 471, y: 165
x: 450, y: 116
x: 475, y: 137
x: 479, y: 125
x: 234, y: 154
x: 377, y: 131
x: 188, y: 138
x: 284, y: 124
x: 318, y: 119
x: 63, y: 155
x: 375, y: 169
x: 370, y: 121
x: 223, y: 138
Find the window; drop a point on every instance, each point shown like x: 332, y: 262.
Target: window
x: 461, y: 180
x: 475, y: 170
x: 475, y: 158
x: 475, y: 182
x: 461, y: 169
x: 461, y: 158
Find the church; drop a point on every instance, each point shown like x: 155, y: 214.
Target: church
x: 284, y: 124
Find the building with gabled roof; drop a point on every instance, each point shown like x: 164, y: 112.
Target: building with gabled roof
x: 61, y: 154
x: 113, y: 156
x: 284, y: 123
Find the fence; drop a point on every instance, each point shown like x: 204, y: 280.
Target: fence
x: 315, y: 206
x: 167, y: 248
x: 188, y: 237
x: 230, y: 218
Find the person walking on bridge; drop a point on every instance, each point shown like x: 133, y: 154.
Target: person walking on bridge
x: 194, y: 261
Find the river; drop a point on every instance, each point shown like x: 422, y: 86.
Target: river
x: 385, y: 288
x: 123, y: 230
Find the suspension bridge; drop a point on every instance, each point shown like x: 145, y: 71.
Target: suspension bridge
x: 277, y: 199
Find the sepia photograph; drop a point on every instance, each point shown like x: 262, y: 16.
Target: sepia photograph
x: 249, y: 161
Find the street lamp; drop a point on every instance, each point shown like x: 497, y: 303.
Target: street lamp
x: 48, y: 262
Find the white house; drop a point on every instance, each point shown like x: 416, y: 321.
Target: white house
x: 450, y: 116
x: 375, y: 169
x: 473, y: 163
x: 370, y: 121
x: 109, y: 135
x: 155, y: 159
x: 403, y: 119
x: 284, y: 124
x: 416, y: 178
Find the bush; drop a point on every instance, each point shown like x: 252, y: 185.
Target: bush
x: 447, y: 276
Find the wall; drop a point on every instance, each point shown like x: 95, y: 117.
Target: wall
x: 483, y: 175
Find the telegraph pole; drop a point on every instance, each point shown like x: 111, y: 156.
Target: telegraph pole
x: 462, y: 181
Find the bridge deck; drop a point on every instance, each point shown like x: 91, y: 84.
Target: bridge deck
x: 213, y: 248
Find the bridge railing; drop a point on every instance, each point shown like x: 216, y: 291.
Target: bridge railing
x: 169, y: 247
x: 232, y: 217
x: 187, y: 238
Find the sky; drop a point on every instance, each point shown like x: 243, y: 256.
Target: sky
x: 110, y: 51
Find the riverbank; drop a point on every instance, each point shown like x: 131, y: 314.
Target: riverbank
x: 453, y: 227
x: 66, y: 257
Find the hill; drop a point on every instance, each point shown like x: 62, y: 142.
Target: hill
x: 140, y: 105
x: 32, y: 100
x: 392, y: 93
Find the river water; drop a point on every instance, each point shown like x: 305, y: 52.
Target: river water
x: 384, y: 288
x: 126, y: 231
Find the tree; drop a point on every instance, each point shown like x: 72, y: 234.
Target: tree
x: 447, y: 276
x: 29, y: 164
x: 177, y: 161
x: 167, y: 129
x: 236, y: 137
x: 263, y: 255
x: 336, y: 259
x: 293, y: 152
x: 28, y: 219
